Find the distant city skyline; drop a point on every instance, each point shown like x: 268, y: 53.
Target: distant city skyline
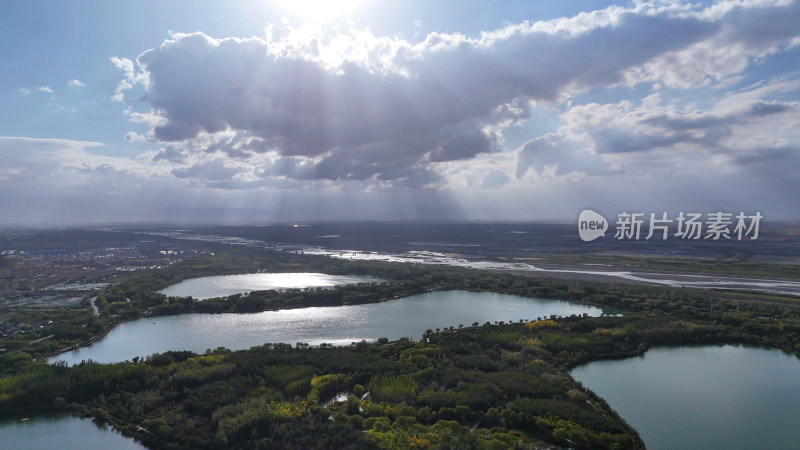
x: 258, y: 111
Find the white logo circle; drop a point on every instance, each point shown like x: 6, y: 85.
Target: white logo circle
x: 591, y: 225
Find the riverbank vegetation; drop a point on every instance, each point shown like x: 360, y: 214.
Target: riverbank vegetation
x: 730, y: 265
x: 495, y: 385
x: 488, y: 386
x: 46, y: 331
x: 135, y: 296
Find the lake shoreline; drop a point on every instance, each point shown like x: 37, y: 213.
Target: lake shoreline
x: 111, y: 326
x: 35, y: 415
x: 228, y: 285
x: 570, y: 307
x: 278, y: 301
x: 685, y: 341
x: 668, y: 376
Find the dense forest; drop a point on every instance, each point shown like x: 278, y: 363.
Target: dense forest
x: 495, y: 385
x: 136, y: 296
x: 482, y: 386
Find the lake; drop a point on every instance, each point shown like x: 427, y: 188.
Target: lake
x: 341, y: 325
x: 64, y: 432
x: 728, y: 396
x: 224, y: 285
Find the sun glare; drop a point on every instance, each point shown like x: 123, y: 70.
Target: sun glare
x: 320, y: 10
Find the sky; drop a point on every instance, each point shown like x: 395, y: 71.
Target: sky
x: 310, y: 110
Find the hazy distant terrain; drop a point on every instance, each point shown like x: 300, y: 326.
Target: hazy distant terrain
x: 492, y: 240
x: 767, y: 264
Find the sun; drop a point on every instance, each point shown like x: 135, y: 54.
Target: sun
x: 320, y: 10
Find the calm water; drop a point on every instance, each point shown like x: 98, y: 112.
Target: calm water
x: 63, y: 432
x: 225, y: 285
x: 726, y: 397
x: 409, y: 316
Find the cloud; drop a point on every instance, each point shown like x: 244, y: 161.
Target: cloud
x: 75, y: 83
x: 558, y: 154
x: 32, y: 160
x: 745, y: 30
x: 542, y: 118
x: 757, y: 91
x: 755, y: 141
x: 131, y: 77
x: 495, y: 179
x: 309, y: 108
x: 58, y: 181
x: 214, y: 170
x: 385, y: 103
x: 621, y: 128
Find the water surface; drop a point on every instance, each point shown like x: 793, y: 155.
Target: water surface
x: 731, y: 397
x: 225, y: 285
x: 62, y: 432
x: 341, y: 325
